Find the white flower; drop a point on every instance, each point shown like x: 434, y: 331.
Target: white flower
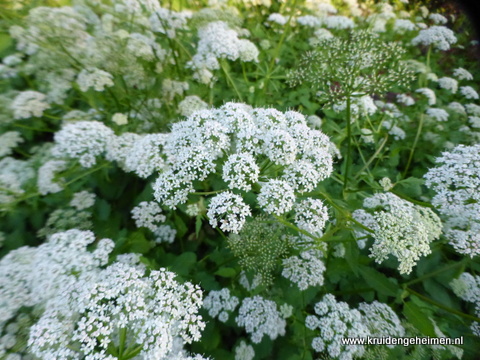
x: 152, y: 310
x: 311, y: 216
x: 472, y: 109
x: 381, y: 320
x: 8, y: 141
x: 456, y: 181
x: 145, y: 155
x: 277, y: 18
x: 338, y: 22
x: 405, y: 99
x: 399, y: 228
x: 165, y: 234
x: 29, y: 104
x: 457, y: 107
x: 276, y: 197
x: 438, y: 19
x: 334, y: 322
x: 305, y: 270
x: 448, y: 83
x: 240, y: 171
x: 229, y: 210
x: 171, y: 88
x: 468, y: 92
x: 95, y: 78
x: 190, y: 104
x: 438, y: 114
x: 46, y: 177
x: 280, y: 147
x: 429, y: 93
x: 462, y: 74
x: 148, y: 214
x: 403, y: 25
x: 440, y: 37
x: 120, y: 119
x: 220, y: 303
x: 82, y: 200
x: 244, y: 351
x: 260, y: 317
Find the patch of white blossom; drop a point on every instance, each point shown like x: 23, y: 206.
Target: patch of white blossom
x: 220, y: 303
x: 260, y: 317
x: 399, y: 227
x: 456, y: 180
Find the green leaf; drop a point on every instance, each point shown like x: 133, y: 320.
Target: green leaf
x: 138, y: 243
x: 180, y: 225
x: 226, y: 272
x: 198, y: 225
x: 416, y: 316
x: 183, y: 263
x: 378, y: 281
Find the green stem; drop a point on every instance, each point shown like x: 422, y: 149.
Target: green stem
x: 227, y: 74
x: 279, y: 45
x: 123, y: 337
x: 105, y: 164
x: 412, y: 151
x: 349, y: 147
x: 436, y: 272
x: 443, y: 307
x: 367, y: 165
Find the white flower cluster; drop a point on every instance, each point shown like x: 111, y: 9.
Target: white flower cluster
x: 311, y: 216
x: 437, y: 114
x: 336, y: 321
x: 148, y: 214
x: 260, y: 317
x: 228, y: 211
x: 429, y: 94
x: 82, y: 140
x: 403, y: 25
x: 84, y: 310
x: 165, y: 234
x: 300, y: 156
x: 440, y: 37
x: 467, y: 287
x: 244, y: 351
x: 146, y: 312
x: 28, y: 104
x: 94, y: 78
x: 448, y: 84
x: 218, y: 41
x: 46, y: 175
x: 8, y: 141
x: 462, y: 74
x: 469, y: 92
x: 83, y: 200
x: 381, y: 320
x: 31, y: 276
x: 305, y: 270
x: 399, y: 227
x: 220, y: 303
x: 14, y: 176
x: 137, y: 153
x: 190, y: 104
x: 240, y: 171
x: 456, y: 181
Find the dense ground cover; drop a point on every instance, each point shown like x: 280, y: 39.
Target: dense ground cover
x: 237, y: 179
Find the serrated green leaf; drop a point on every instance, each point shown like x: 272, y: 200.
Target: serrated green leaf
x: 183, y: 263
x: 378, y: 281
x: 417, y: 318
x: 226, y: 272
x: 138, y: 244
x: 180, y: 225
